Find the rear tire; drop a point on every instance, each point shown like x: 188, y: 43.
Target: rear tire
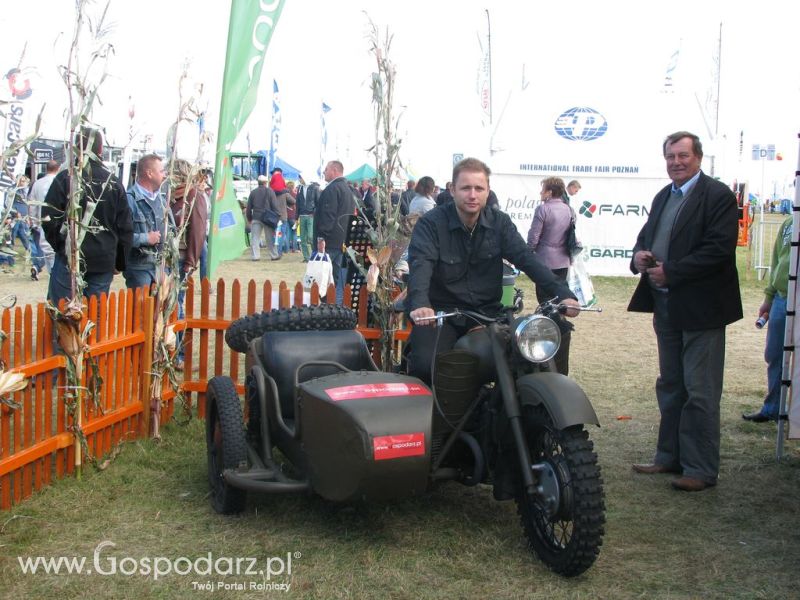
x: 568, y: 539
x: 322, y: 317
x: 225, y: 444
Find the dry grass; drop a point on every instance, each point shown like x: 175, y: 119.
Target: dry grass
x: 735, y: 541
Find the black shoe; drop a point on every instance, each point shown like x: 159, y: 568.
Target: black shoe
x: 503, y: 490
x: 756, y: 417
x: 34, y: 274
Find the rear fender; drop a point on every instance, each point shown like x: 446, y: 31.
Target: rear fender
x: 563, y: 399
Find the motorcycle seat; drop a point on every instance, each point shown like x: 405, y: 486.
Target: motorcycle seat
x: 284, y: 352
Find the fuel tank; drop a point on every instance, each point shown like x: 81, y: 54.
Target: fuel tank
x: 366, y: 435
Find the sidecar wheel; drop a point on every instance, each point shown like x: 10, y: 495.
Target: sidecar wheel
x: 566, y: 537
x: 323, y: 317
x: 225, y: 443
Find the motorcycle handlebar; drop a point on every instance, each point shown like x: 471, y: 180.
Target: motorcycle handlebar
x: 480, y: 317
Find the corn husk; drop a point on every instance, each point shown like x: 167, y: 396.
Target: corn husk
x: 159, y: 330
x: 170, y: 339
x: 69, y: 339
x: 372, y: 277
x: 164, y: 286
x: 12, y: 382
x: 384, y: 255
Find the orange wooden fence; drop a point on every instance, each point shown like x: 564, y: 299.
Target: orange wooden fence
x: 36, y: 441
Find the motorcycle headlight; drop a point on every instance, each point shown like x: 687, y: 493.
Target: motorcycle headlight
x: 538, y: 338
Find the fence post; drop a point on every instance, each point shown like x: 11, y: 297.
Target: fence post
x: 147, y: 364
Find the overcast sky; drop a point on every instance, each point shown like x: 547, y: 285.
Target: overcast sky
x: 586, y: 53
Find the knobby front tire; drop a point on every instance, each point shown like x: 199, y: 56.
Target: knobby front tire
x: 567, y: 540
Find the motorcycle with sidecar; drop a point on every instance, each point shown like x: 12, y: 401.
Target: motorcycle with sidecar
x: 496, y: 414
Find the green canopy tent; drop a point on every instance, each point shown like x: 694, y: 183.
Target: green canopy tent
x: 361, y: 173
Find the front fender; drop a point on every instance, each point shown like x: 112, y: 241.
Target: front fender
x: 563, y: 399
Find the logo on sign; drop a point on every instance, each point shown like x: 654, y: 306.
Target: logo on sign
x: 587, y: 209
x: 377, y: 390
x: 20, y: 88
x: 42, y: 155
x: 581, y: 124
x: 386, y: 447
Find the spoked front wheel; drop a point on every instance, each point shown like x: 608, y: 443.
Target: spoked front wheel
x: 565, y: 529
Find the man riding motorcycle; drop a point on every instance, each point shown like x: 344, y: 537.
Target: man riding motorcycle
x: 456, y: 262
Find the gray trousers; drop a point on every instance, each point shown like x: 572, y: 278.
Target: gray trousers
x: 256, y: 227
x: 688, y: 389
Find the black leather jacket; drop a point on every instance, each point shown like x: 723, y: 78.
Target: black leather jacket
x: 450, y: 267
x: 307, y: 199
x: 105, y: 247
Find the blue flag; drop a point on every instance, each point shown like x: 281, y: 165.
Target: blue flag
x: 324, y: 140
x: 276, y: 126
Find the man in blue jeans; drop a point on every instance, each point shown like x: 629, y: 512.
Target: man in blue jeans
x: 774, y: 309
x: 150, y: 217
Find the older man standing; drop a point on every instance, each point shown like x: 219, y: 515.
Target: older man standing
x: 148, y: 208
x: 336, y: 205
x: 686, y: 253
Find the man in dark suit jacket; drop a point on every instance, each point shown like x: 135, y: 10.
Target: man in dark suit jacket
x: 686, y: 253
x: 337, y: 203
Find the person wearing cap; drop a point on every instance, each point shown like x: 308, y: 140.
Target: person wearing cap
x: 259, y: 201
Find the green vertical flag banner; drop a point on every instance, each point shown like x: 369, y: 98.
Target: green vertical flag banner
x: 249, y: 34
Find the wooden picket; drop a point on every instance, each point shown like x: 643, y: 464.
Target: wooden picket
x: 36, y: 440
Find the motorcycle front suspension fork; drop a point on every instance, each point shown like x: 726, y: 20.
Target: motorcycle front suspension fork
x: 505, y: 381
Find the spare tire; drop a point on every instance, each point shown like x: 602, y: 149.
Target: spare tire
x: 323, y: 317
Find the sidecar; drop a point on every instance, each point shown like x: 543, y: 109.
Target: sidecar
x: 347, y: 430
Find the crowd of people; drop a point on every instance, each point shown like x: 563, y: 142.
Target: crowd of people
x: 685, y: 256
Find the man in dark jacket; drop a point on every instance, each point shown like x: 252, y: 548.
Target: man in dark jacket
x: 260, y: 202
x: 686, y: 254
x: 407, y: 196
x: 105, y: 245
x: 336, y: 205
x: 456, y: 262
x: 307, y: 198
x: 367, y: 201
x: 445, y: 195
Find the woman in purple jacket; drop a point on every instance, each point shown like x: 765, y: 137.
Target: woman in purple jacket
x: 547, y: 237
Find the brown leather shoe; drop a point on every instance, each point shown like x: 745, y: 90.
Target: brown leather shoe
x: 652, y: 469
x: 690, y: 484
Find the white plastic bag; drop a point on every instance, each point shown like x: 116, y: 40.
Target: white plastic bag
x: 580, y: 283
x: 320, y: 270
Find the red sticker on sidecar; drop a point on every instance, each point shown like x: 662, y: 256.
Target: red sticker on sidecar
x: 398, y: 446
x: 377, y: 390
